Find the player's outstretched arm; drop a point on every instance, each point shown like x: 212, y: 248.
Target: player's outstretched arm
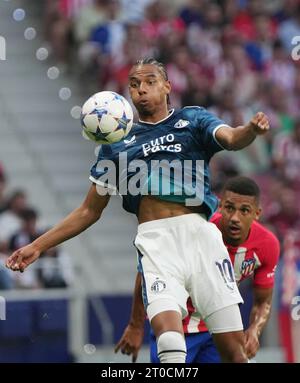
x: 242, y: 136
x: 76, y: 222
x: 259, y: 316
x: 132, y: 338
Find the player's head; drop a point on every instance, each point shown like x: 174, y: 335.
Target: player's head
x: 149, y: 86
x: 239, y: 208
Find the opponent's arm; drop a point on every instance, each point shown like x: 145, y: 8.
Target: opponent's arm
x: 132, y: 338
x: 242, y: 136
x: 259, y: 316
x: 76, y: 222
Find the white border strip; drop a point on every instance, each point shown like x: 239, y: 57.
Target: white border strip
x: 105, y: 186
x: 215, y: 131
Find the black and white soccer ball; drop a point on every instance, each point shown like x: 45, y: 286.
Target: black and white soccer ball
x: 106, y: 117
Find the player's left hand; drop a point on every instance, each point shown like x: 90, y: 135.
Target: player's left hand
x: 251, y: 342
x: 260, y: 123
x: 131, y: 341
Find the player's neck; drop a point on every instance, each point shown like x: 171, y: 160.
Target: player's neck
x: 159, y: 115
x: 232, y: 242
x: 235, y: 242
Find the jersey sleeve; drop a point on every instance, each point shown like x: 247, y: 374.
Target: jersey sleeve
x: 264, y: 275
x: 103, y: 172
x: 208, y: 124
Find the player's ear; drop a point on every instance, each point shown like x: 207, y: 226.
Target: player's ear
x: 168, y: 86
x: 258, y: 213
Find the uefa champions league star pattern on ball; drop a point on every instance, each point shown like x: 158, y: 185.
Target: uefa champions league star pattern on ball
x: 106, y: 117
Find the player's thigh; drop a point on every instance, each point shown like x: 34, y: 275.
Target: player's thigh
x: 226, y: 320
x: 163, y: 288
x: 164, y: 321
x: 229, y: 343
x: 212, y: 273
x: 226, y: 328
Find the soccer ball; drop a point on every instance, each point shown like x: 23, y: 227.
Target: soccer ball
x: 106, y: 117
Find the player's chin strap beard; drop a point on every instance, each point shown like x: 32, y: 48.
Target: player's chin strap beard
x: 145, y: 113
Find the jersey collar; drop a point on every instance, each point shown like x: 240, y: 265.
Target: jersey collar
x: 159, y: 122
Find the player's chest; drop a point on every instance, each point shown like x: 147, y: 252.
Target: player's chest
x: 244, y: 261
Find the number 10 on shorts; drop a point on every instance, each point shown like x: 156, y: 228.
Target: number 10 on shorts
x: 225, y: 269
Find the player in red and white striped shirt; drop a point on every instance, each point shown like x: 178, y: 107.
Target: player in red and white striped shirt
x: 254, y: 252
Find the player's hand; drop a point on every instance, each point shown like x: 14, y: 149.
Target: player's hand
x: 131, y: 341
x: 251, y: 342
x: 260, y: 123
x: 22, y: 258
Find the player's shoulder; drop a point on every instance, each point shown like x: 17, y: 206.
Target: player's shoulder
x: 106, y: 151
x: 192, y: 110
x: 264, y: 235
x: 216, y: 218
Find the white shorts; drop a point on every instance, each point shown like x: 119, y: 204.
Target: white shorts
x: 185, y: 256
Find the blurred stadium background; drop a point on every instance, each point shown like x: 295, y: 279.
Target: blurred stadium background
x: 234, y: 57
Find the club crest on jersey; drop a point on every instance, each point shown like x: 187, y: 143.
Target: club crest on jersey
x: 131, y: 141
x: 247, y: 267
x: 158, y: 286
x: 181, y: 124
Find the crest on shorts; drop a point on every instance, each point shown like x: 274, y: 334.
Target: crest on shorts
x: 158, y: 286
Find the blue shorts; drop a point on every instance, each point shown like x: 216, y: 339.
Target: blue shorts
x: 200, y: 349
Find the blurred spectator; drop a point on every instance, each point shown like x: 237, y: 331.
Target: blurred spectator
x: 101, y: 33
x: 289, y: 29
x: 49, y: 270
x: 245, y: 79
x: 287, y: 216
x: 6, y: 276
x: 21, y: 237
x: 275, y: 103
x: 286, y: 154
x: 109, y: 36
x: 57, y: 26
x: 90, y: 16
x: 289, y: 328
x: 55, y: 269
x: 244, y: 20
x: 192, y: 12
x: 178, y: 71
x: 27, y: 232
x: 161, y: 27
x: 260, y: 49
x: 10, y: 220
x: 134, y: 10
x: 281, y: 70
x: 2, y: 190
x: 59, y: 20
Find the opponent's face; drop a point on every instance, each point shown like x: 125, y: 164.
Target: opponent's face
x: 238, y: 212
x: 148, y: 89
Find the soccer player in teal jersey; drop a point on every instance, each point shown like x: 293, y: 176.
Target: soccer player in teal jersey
x: 178, y: 248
